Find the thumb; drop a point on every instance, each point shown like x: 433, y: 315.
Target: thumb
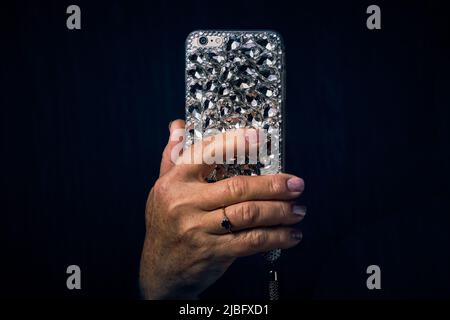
x: 166, y: 162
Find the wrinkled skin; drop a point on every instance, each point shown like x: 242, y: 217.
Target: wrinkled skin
x: 186, y: 249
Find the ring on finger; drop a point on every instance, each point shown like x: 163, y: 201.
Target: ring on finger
x: 226, y: 223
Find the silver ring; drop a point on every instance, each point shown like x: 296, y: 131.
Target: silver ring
x: 226, y: 224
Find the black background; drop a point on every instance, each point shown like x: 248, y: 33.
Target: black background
x: 84, y: 118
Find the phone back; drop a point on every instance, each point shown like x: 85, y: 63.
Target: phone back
x: 235, y: 79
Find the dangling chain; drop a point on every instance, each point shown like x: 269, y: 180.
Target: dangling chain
x: 271, y: 257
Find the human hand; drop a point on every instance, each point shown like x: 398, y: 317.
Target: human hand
x: 186, y: 249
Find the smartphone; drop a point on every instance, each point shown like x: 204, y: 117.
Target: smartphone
x: 236, y: 79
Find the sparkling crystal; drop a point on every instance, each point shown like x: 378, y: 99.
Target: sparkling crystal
x: 249, y: 44
x: 257, y: 121
x: 224, y: 91
x: 197, y: 134
x: 265, y: 72
x: 211, y: 86
x: 196, y: 73
x: 217, y: 57
x: 270, y: 46
x: 272, y: 112
x: 208, y: 104
x: 236, y: 85
x: 225, y: 74
x: 235, y: 98
x: 196, y: 58
x: 266, y: 91
x: 250, y: 71
x: 233, y: 44
x: 194, y: 107
x: 253, y: 52
x: 242, y: 84
x: 262, y: 42
x: 265, y: 59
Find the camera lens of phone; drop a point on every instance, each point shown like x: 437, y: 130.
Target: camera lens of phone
x: 203, y: 40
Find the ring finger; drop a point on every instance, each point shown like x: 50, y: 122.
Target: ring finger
x: 252, y: 214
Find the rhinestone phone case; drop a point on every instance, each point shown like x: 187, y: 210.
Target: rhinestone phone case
x: 239, y: 84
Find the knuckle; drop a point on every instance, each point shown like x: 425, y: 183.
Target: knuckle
x: 257, y: 240
x: 276, y: 184
x: 177, y: 173
x: 195, y: 241
x: 170, y: 201
x: 285, y: 210
x: 249, y: 213
x: 189, y: 234
x: 205, y: 250
x: 237, y: 187
x: 176, y: 210
x: 172, y: 209
x: 160, y: 188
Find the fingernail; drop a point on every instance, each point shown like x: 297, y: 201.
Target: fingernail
x: 295, y: 184
x: 300, y: 210
x: 296, y: 235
